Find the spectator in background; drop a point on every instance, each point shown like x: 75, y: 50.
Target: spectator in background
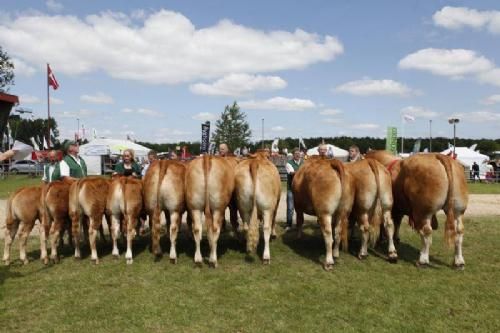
x: 172, y: 156
x: 223, y: 150
x: 354, y: 154
x: 152, y: 156
x: 72, y: 165
x: 292, y: 166
x: 475, y: 171
x: 49, y: 168
x: 128, y: 166
x: 322, y: 150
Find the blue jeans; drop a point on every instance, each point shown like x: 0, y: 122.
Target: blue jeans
x: 289, y: 208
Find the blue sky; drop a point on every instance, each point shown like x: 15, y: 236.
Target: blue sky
x: 157, y: 69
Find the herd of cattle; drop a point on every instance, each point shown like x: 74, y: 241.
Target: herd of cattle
x: 374, y: 194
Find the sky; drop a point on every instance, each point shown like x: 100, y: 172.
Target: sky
x: 156, y: 70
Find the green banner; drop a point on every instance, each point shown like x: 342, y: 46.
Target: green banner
x: 391, y: 141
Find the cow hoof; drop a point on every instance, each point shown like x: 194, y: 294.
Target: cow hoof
x: 273, y: 237
x: 45, y: 260
x: 130, y: 261
x: 459, y: 267
x: 6, y: 263
x: 362, y: 256
x: 116, y: 256
x: 77, y: 258
x: 158, y: 257
x: 327, y: 267
x: 55, y: 260
x: 422, y: 264
x: 266, y: 261
x: 392, y: 259
x: 94, y: 261
x: 212, y: 264
x: 26, y: 261
x: 173, y: 261
x: 198, y: 264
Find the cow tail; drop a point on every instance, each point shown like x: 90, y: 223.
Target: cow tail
x: 206, y: 171
x: 377, y: 210
x: 343, y: 212
x: 10, y: 214
x: 161, y: 175
x: 44, y: 210
x: 449, y: 229
x: 253, y: 228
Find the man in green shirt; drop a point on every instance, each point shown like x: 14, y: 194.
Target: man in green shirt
x: 50, y: 168
x: 72, y: 165
x: 291, y: 168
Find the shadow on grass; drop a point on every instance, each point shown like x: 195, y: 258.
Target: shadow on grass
x: 6, y: 273
x: 310, y: 246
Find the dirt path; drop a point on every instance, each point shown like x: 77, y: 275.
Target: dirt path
x: 479, y: 205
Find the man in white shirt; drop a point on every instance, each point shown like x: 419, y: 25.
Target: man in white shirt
x: 72, y: 166
x: 152, y: 156
x: 49, y: 168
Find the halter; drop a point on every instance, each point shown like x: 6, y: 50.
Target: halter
x: 391, y: 165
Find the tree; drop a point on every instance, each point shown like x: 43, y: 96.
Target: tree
x: 6, y: 71
x: 232, y: 128
x: 25, y: 129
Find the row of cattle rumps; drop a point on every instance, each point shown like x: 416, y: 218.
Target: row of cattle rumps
x: 373, y: 194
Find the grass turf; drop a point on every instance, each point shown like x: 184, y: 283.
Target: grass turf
x: 293, y: 294
x: 11, y: 183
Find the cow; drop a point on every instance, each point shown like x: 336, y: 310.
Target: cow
x: 258, y: 191
x: 124, y: 202
x: 87, y: 198
x: 324, y: 188
x: 23, y: 206
x: 55, y: 218
x: 372, y: 198
x: 209, y: 187
x: 164, y: 191
x: 422, y: 185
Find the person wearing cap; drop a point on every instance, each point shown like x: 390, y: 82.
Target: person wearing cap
x: 49, y: 168
x: 72, y: 165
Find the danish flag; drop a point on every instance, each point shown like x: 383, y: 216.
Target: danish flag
x: 52, y: 78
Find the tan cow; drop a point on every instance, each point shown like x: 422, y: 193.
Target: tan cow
x: 258, y: 191
x: 372, y: 198
x: 23, y: 206
x: 164, y: 191
x: 124, y: 203
x: 209, y: 186
x: 87, y: 198
x: 55, y: 205
x: 422, y: 185
x: 323, y: 188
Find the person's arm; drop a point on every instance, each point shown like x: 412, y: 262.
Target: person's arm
x: 119, y: 169
x: 289, y: 169
x: 44, y: 178
x: 64, y: 169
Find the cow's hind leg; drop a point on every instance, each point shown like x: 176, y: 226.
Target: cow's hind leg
x: 94, y: 224
x: 115, y: 233
x: 213, y: 230
x: 364, y: 228
x: 267, y: 217
x: 75, y: 231
x: 11, y: 227
x: 325, y: 222
x: 175, y: 225
x: 337, y: 238
x: 426, y: 236
x: 55, y: 231
x: 459, y: 229
x: 23, y: 239
x: 389, y: 230
x: 131, y: 232
x: 155, y: 224
x: 197, y: 232
x: 300, y: 222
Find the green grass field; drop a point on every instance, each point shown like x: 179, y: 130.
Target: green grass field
x: 293, y: 294
x: 13, y: 182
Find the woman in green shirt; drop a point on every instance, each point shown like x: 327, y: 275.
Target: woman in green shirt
x: 128, y: 167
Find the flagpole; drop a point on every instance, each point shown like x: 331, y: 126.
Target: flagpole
x: 48, y: 108
x: 402, y: 134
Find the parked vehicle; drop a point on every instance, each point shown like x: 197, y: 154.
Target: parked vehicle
x: 26, y: 166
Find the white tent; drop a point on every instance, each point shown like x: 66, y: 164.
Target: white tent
x: 467, y: 156
x: 337, y: 152
x: 94, y: 151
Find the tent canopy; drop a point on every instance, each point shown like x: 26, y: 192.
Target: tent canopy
x: 337, y: 152
x: 467, y: 156
x: 112, y: 146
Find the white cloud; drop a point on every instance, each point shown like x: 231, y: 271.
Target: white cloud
x: 365, y: 126
x: 204, y: 116
x: 277, y: 128
x: 453, y: 63
x: 28, y: 99
x: 54, y: 5
x: 493, y: 99
x: 368, y: 87
x: 419, y: 112
x: 490, y: 77
x: 22, y: 68
x: 143, y: 111
x: 111, y: 42
x: 238, y: 84
x: 482, y: 116
x: 332, y: 121
x: 279, y: 103
x: 82, y: 113
x: 459, y: 17
x: 330, y: 112
x: 99, y: 98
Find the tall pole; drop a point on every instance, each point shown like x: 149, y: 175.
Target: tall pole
x: 430, y: 135
x: 454, y: 137
x: 48, y: 109
x: 262, y: 133
x: 402, y: 135
x: 77, y: 130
